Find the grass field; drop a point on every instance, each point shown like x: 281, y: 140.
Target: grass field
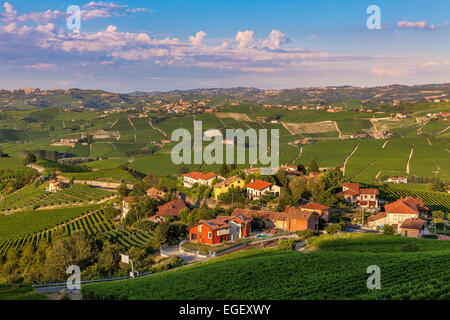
x: 274, y: 275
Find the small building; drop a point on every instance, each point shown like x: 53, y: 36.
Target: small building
x: 412, y: 228
x: 171, y: 209
x: 398, y: 180
x: 189, y: 179
x: 156, y: 194
x: 257, y: 188
x: 55, y: 186
x: 322, y: 210
x: 219, y: 230
x: 300, y: 220
x: 364, y: 198
x: 398, y: 212
x: 127, y: 204
x: 225, y: 186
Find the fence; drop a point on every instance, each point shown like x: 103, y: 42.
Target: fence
x: 59, y: 284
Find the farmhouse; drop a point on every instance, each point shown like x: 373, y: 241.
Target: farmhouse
x: 412, y: 228
x: 219, y: 230
x: 398, y: 212
x: 364, y: 198
x: 320, y: 209
x: 225, y: 186
x: 171, y: 209
x: 299, y: 220
x: 257, y: 188
x: 292, y: 219
x: 398, y: 180
x: 55, y: 186
x: 156, y: 194
x: 189, y: 179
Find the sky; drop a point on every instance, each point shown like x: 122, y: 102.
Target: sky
x: 125, y: 46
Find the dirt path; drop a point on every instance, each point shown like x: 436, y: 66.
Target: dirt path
x: 114, y: 123
x: 287, y: 128
x: 64, y: 124
x: 441, y: 132
x: 374, y: 124
x: 338, y: 130
x: 156, y: 128
x: 348, y: 157
x: 438, y: 168
x: 298, y: 156
x: 384, y: 144
x: 409, y: 161
x: 378, y: 175
x: 134, y: 128
x: 429, y: 142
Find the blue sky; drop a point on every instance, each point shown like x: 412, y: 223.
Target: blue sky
x: 124, y: 46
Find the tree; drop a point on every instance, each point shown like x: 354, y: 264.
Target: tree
x: 333, y: 178
x: 298, y: 189
x: 122, y: 190
x: 388, y: 229
x: 313, y: 167
x: 108, y: 259
x: 224, y: 170
x: 29, y: 158
x: 439, y: 214
x: 73, y: 250
x: 438, y: 185
x: 161, y: 235
x: 282, y: 178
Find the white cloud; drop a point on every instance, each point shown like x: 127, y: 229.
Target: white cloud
x: 417, y: 24
x: 198, y: 38
x: 245, y: 39
x: 275, y: 40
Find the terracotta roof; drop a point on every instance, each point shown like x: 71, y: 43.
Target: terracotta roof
x: 408, y: 205
x: 213, y: 224
x: 348, y: 192
x: 200, y: 176
x: 260, y: 214
x: 315, y: 206
x: 259, y: 185
x: 352, y: 186
x: 172, y: 208
x: 240, y: 217
x: 129, y: 199
x: 378, y: 216
x: 369, y: 191
x: 297, y: 213
x: 227, y: 182
x: 413, y: 224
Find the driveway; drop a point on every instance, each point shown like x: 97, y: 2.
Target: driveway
x: 175, y: 251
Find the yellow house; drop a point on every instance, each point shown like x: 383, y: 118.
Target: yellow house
x: 224, y: 186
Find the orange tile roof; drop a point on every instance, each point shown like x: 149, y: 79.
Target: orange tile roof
x: 259, y: 185
x: 297, y: 213
x: 413, y: 224
x: 369, y: 191
x: 378, y: 216
x: 200, y: 176
x: 408, y: 205
x: 352, y: 186
x: 315, y: 206
x: 172, y: 208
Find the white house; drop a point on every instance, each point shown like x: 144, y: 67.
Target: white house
x: 257, y: 188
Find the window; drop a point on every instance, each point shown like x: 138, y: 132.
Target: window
x: 199, y: 228
x: 209, y: 235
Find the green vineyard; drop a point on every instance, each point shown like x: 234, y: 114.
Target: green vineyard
x: 433, y: 200
x: 92, y: 223
x: 48, y: 164
x: 36, y: 197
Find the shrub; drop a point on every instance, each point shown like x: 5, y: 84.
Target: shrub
x: 306, y: 234
x: 286, y: 244
x: 410, y: 247
x: 388, y: 229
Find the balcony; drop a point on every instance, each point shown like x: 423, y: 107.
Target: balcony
x: 223, y: 232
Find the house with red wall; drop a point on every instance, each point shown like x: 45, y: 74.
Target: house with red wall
x: 364, y: 198
x: 219, y: 230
